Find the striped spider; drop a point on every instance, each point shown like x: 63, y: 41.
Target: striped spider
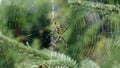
x: 59, y: 30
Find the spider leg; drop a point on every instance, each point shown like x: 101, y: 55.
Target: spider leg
x: 60, y: 37
x: 65, y: 42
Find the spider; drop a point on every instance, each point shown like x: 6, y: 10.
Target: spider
x: 60, y: 30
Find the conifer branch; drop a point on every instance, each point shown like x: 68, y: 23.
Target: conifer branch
x: 49, y: 58
x: 14, y: 43
x: 98, y: 6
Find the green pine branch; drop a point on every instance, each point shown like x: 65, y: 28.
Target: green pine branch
x: 49, y: 58
x: 98, y: 6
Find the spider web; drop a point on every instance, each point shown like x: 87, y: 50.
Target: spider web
x: 96, y: 50
x: 99, y: 49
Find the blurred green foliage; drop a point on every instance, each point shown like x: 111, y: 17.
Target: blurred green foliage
x: 84, y: 41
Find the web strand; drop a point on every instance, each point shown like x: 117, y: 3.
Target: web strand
x: 53, y: 11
